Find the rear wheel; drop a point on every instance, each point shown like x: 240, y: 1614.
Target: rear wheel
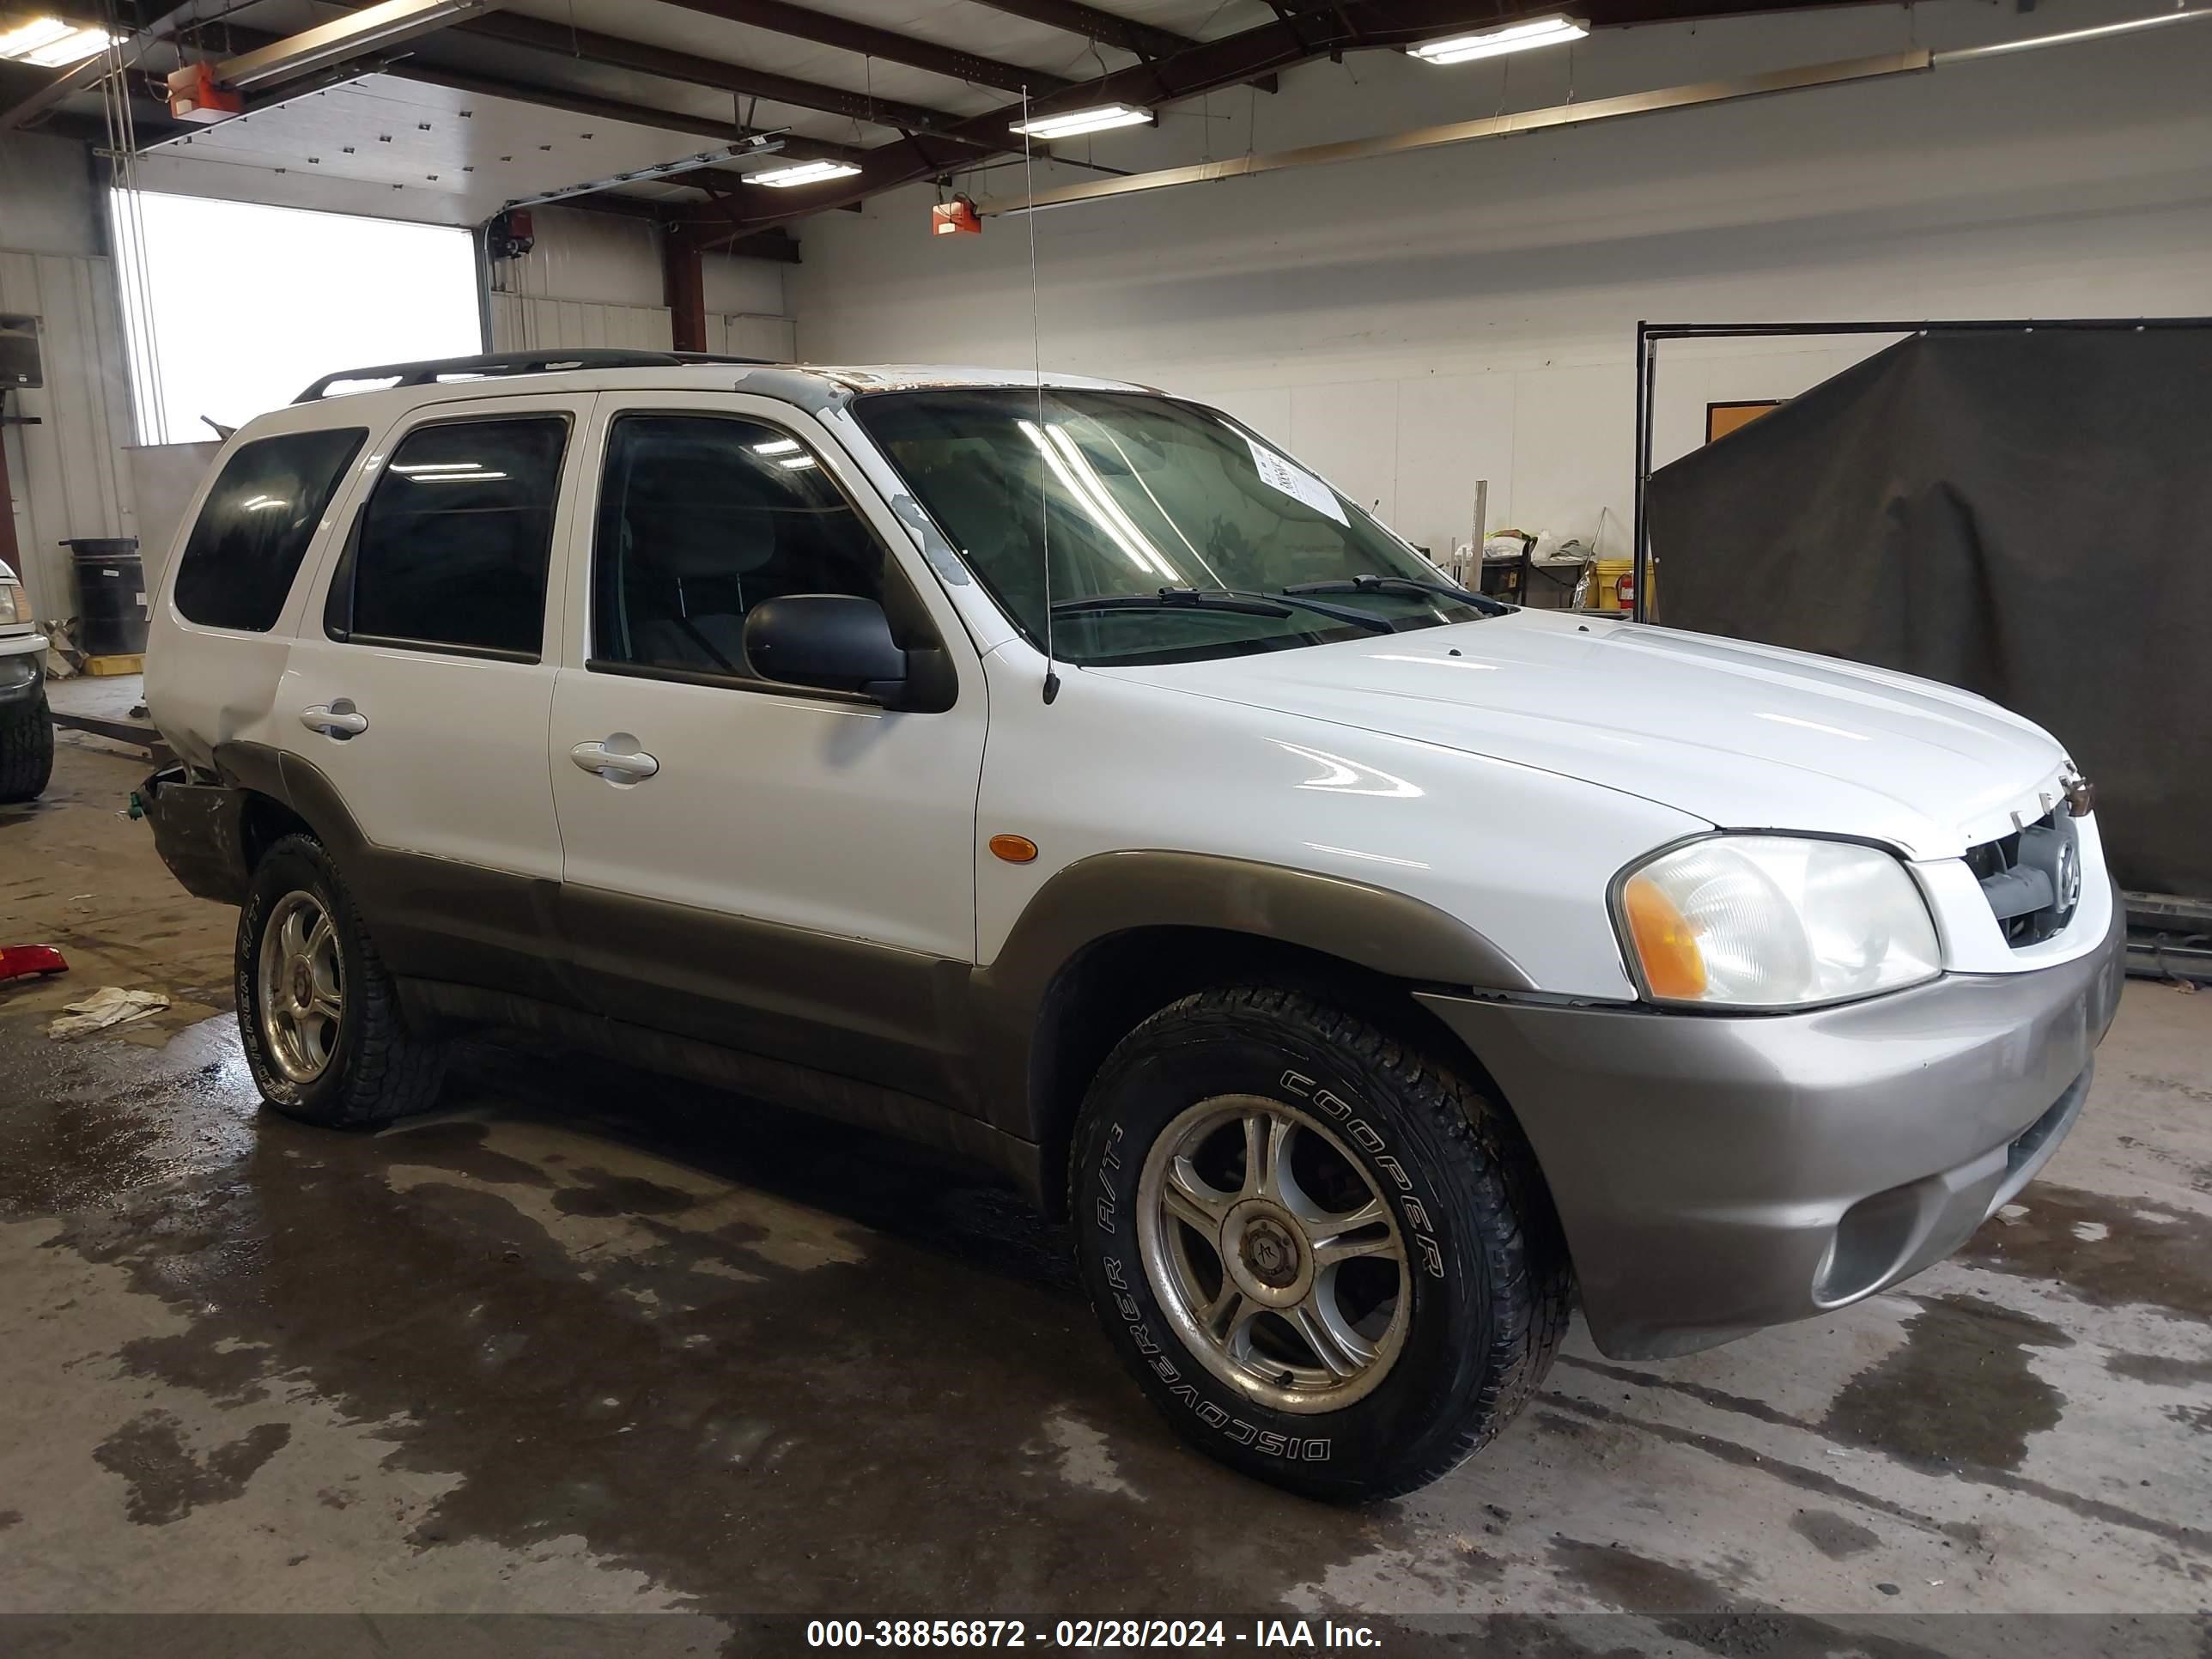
x: 1329, y: 1262
x: 318, y: 1015
x: 26, y: 749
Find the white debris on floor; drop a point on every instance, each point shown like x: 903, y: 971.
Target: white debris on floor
x: 110, y: 1005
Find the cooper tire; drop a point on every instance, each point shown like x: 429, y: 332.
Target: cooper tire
x: 27, y: 751
x: 1485, y: 1288
x: 363, y: 1067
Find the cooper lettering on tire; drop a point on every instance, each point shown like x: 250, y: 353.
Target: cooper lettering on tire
x: 1328, y: 1259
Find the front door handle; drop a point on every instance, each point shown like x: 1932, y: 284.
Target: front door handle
x: 339, y: 720
x: 617, y: 759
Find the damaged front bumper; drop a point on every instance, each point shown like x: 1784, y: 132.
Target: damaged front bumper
x: 1716, y: 1174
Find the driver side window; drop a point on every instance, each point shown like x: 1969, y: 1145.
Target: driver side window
x: 701, y: 518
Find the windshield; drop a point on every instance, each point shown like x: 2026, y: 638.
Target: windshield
x: 1133, y: 493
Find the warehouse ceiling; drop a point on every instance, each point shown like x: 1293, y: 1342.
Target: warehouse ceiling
x: 540, y: 96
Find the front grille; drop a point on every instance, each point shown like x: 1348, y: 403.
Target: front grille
x: 2032, y: 877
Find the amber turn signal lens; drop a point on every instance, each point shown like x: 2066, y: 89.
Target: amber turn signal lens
x: 1666, y: 943
x: 1015, y: 849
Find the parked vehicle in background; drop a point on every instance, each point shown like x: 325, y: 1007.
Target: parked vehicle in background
x: 1365, y: 968
x: 26, y: 727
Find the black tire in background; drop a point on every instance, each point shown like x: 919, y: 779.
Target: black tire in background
x: 374, y: 1069
x: 1485, y: 1278
x: 26, y: 749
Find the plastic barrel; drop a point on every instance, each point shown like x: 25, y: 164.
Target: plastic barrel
x: 111, y: 584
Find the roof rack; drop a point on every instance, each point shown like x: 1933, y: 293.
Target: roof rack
x: 499, y: 364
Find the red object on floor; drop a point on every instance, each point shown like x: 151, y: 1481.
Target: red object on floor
x: 21, y: 961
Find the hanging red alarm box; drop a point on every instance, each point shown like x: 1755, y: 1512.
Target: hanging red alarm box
x: 194, y: 95
x: 955, y: 218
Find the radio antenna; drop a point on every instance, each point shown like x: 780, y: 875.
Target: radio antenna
x: 1036, y: 364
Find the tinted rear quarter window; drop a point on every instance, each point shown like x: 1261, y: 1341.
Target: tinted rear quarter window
x: 453, y: 546
x: 256, y: 524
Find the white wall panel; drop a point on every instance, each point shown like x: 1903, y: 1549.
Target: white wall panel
x: 48, y: 202
x: 774, y: 338
x: 66, y: 472
x: 1348, y: 431
x: 1452, y: 430
x: 751, y: 288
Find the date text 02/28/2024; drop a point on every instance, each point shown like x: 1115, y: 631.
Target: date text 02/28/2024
x: 1282, y: 1635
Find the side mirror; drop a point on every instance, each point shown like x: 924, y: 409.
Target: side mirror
x: 834, y: 641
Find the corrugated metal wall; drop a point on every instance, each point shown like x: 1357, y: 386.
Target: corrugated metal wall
x: 66, y: 472
x: 520, y: 323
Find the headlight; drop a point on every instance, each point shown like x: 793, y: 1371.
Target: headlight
x: 11, y: 603
x: 1772, y: 922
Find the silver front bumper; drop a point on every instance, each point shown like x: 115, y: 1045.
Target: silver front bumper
x: 1716, y: 1175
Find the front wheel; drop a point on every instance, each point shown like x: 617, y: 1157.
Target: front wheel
x: 1330, y: 1262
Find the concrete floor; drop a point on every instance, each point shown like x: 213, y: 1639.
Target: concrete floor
x: 586, y: 1341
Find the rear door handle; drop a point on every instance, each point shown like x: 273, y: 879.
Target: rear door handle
x: 618, y: 759
x: 339, y: 720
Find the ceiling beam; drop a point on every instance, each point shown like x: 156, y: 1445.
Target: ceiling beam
x: 777, y: 245
x: 1292, y: 38
x: 1206, y: 67
x: 1108, y: 29
x: 539, y: 35
x: 892, y: 47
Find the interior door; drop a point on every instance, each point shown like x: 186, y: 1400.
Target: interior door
x: 786, y: 873
x: 418, y: 689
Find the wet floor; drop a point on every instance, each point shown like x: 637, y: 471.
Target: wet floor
x: 585, y: 1340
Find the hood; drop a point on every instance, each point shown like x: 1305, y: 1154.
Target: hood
x: 1744, y: 736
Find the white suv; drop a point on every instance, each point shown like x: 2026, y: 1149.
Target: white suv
x: 1063, y: 776
x: 26, y: 728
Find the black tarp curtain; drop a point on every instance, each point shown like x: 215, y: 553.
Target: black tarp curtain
x: 2026, y: 514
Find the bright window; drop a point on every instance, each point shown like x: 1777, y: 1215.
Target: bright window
x: 250, y: 304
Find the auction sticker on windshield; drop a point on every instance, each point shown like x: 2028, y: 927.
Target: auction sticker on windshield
x: 1296, y: 482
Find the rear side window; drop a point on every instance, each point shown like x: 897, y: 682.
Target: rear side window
x: 256, y: 525
x: 452, y: 548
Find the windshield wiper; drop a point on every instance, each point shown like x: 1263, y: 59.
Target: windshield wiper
x: 1224, y: 598
x: 1373, y: 583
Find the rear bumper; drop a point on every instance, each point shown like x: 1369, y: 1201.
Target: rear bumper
x: 199, y: 831
x: 1718, y: 1174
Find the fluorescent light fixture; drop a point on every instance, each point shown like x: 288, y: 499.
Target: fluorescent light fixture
x: 51, y: 44
x: 802, y: 173
x: 25, y: 39
x: 1496, y: 43
x: 777, y: 447
x: 796, y: 463
x: 1076, y: 122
